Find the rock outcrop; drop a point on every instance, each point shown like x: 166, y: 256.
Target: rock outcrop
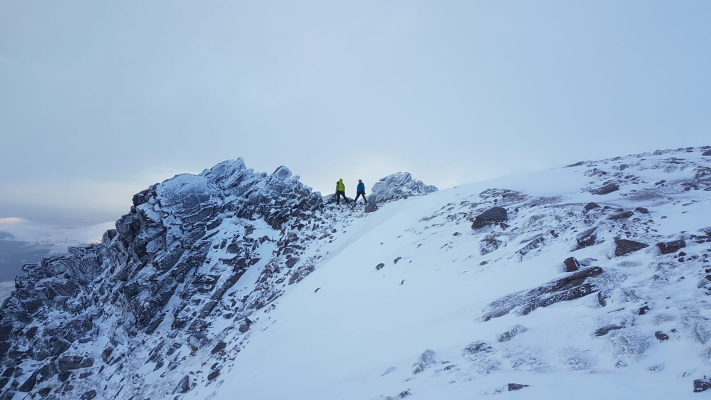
x: 397, y: 186
x: 169, y: 267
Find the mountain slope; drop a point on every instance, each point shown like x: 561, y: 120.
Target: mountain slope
x: 234, y: 284
x: 352, y: 331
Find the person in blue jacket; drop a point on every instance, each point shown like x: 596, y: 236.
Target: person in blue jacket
x: 361, y: 191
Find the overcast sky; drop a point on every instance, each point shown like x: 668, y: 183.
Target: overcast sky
x: 100, y: 99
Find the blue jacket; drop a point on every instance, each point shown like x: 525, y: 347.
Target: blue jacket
x: 361, y: 188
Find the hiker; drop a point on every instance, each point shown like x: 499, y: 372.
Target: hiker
x: 341, y: 191
x: 361, y: 191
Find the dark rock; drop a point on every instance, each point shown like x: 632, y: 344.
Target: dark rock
x: 514, y: 331
x: 532, y: 245
x: 68, y: 363
x: 218, y: 347
x: 609, y: 188
x: 491, y: 216
x: 489, y: 244
x: 591, y: 206
x: 396, y: 260
x: 703, y: 384
x: 571, y: 264
x: 624, y: 246
x: 577, y: 164
x: 426, y: 359
x: 477, y: 347
x: 44, y: 392
x: 292, y: 261
x: 88, y: 395
x: 183, y: 385
x: 642, y: 210
x: 671, y: 247
x: 706, y: 153
x: 516, y: 386
x: 214, y: 374
x: 643, y: 310
x: 573, y: 286
x: 587, y: 238
x: 607, y: 329
x: 661, y: 336
x: 622, y: 215
x: 379, y: 266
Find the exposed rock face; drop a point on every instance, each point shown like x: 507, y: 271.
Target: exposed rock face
x: 624, y: 247
x: 671, y: 247
x: 607, y: 329
x: 491, y: 216
x: 587, y: 238
x: 609, y: 188
x: 513, y: 331
x: 426, y: 359
x: 400, y: 185
x: 186, y: 242
x: 574, y: 286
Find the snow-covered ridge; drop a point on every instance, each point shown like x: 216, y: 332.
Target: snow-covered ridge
x: 569, y: 281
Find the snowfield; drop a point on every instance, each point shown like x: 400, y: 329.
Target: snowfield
x: 359, y: 335
x: 590, y: 282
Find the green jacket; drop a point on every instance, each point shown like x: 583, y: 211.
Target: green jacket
x: 340, y: 186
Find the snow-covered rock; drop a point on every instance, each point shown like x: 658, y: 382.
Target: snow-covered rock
x: 400, y: 185
x: 235, y: 284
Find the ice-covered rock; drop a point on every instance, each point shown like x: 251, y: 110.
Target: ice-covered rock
x: 397, y: 186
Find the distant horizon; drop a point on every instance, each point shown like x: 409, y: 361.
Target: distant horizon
x: 80, y: 217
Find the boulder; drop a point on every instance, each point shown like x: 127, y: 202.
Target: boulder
x: 587, y: 238
x: 491, y: 216
x: 706, y: 153
x: 591, y: 206
x: 671, y: 247
x: 571, y: 264
x: 703, y: 384
x: 609, y: 188
x: 622, y: 215
x: 516, y: 386
x: 624, y: 247
x: 661, y: 336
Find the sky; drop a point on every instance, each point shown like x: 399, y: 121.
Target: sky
x: 99, y: 100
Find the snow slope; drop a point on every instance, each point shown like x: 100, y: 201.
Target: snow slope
x: 350, y: 331
x: 235, y: 284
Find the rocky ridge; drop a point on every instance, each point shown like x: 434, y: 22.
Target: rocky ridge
x: 161, y: 287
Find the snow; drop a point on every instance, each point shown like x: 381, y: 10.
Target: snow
x: 349, y: 331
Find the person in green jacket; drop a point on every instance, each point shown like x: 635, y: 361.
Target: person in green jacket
x: 341, y: 191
